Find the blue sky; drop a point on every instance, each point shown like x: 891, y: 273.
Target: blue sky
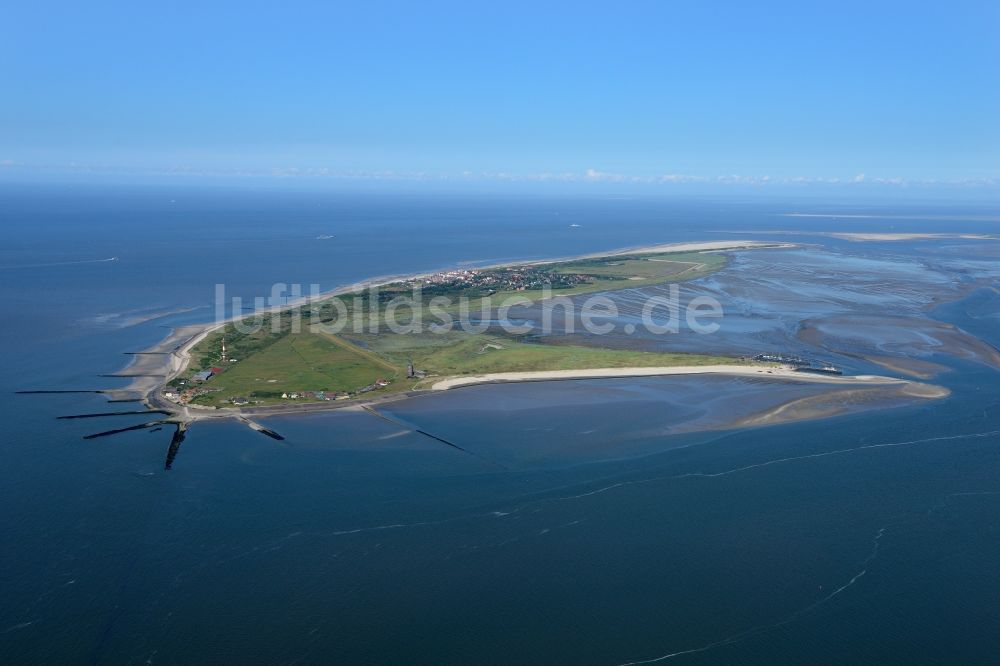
x: 659, y: 94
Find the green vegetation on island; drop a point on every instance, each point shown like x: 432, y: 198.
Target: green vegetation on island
x: 289, y: 356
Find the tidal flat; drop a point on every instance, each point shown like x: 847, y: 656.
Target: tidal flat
x: 866, y: 307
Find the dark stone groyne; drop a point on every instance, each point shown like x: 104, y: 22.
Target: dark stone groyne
x: 175, y: 445
x: 100, y: 414
x: 131, y: 374
x: 253, y: 425
x: 60, y: 391
x: 141, y: 426
x: 398, y: 422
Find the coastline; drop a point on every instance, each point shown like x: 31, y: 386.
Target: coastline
x: 182, y: 341
x: 188, y: 337
x: 172, y: 356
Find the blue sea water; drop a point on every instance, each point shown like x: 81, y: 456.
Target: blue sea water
x: 871, y: 537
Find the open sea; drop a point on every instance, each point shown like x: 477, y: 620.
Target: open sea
x: 578, y: 534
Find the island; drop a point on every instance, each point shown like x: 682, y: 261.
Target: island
x: 340, y: 349
x: 276, y: 364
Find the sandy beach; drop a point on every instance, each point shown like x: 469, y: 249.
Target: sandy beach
x: 874, y: 237
x: 764, y: 372
x: 706, y: 246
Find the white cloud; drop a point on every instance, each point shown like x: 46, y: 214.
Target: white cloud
x: 593, y: 175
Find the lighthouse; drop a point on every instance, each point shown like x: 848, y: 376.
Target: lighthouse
x: 223, y: 349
